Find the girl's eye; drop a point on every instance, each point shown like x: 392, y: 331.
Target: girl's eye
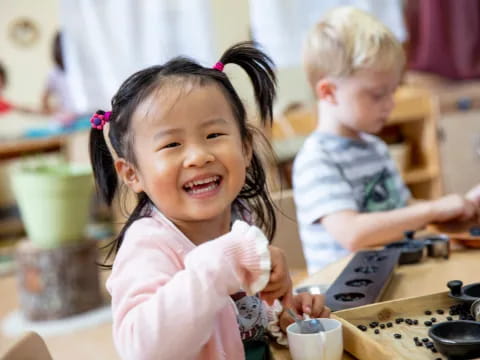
x: 214, y: 135
x: 171, y: 145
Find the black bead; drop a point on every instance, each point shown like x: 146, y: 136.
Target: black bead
x: 428, y: 323
x: 377, y: 331
x: 397, y: 336
x: 362, y: 327
x: 440, y: 311
x: 382, y: 326
x: 428, y: 312
x: 389, y: 324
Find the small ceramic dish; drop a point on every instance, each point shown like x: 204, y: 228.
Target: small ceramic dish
x: 458, y: 339
x: 438, y: 245
x: 467, y: 294
x: 412, y: 250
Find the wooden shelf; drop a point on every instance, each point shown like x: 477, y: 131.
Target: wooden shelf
x: 413, y: 105
x: 417, y: 175
x: 10, y: 149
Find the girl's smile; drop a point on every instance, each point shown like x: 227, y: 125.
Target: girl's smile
x: 203, y: 186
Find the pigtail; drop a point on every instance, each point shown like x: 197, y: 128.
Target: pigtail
x: 103, y: 166
x: 260, y: 69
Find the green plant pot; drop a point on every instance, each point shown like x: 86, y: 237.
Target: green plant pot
x: 54, y: 202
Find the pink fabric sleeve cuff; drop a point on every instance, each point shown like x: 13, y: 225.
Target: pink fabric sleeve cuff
x: 254, y: 255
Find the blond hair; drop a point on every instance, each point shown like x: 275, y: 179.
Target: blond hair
x: 348, y: 39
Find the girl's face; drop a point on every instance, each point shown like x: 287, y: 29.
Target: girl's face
x: 191, y: 161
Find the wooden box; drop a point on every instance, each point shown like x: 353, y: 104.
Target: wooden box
x: 367, y: 345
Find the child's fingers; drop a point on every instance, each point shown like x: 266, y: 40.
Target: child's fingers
x: 326, y: 312
x: 304, y: 303
x: 318, y: 305
x: 283, y: 292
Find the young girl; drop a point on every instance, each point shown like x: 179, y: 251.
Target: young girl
x: 178, y: 137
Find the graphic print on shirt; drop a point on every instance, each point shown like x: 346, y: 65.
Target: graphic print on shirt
x: 380, y: 192
x: 252, y: 319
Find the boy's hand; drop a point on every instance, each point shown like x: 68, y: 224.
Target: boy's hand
x: 305, y: 303
x: 452, y: 207
x: 280, y: 284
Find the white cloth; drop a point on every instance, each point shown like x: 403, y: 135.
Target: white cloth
x: 282, y: 25
x: 57, y: 85
x: 105, y: 41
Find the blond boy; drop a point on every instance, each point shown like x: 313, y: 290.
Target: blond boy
x: 348, y: 193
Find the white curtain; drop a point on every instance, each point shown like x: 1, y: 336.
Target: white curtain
x: 282, y: 25
x: 105, y: 41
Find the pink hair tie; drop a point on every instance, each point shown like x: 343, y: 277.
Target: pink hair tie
x: 99, y: 119
x: 218, y: 66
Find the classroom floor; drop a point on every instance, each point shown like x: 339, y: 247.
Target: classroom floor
x: 89, y: 343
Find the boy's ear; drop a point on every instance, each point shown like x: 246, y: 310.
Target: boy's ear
x: 129, y: 175
x: 325, y: 90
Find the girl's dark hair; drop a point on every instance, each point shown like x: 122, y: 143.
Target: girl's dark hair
x: 254, y: 195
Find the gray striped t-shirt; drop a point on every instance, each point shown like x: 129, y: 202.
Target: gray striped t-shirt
x: 333, y: 173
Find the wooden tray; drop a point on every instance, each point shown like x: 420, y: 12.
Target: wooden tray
x: 383, y: 346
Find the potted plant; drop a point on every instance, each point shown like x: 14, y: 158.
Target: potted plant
x: 54, y: 200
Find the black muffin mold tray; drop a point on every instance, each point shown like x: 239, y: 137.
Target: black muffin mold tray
x: 363, y: 280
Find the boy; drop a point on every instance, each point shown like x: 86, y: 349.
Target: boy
x: 347, y: 190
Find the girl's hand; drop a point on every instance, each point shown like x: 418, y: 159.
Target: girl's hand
x: 305, y: 303
x: 280, y: 284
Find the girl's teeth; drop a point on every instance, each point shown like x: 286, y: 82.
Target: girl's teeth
x: 200, y: 182
x: 203, y: 190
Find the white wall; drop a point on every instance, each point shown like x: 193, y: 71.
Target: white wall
x: 27, y: 66
x: 232, y: 21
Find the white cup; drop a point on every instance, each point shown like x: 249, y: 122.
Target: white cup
x: 325, y: 345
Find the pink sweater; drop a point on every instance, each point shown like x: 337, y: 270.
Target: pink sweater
x: 170, y: 298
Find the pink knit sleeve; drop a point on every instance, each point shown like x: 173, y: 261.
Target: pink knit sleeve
x: 161, y: 311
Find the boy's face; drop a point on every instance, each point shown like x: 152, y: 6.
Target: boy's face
x: 364, y: 100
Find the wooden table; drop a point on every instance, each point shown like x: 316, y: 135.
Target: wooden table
x: 429, y: 276
x: 10, y: 149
